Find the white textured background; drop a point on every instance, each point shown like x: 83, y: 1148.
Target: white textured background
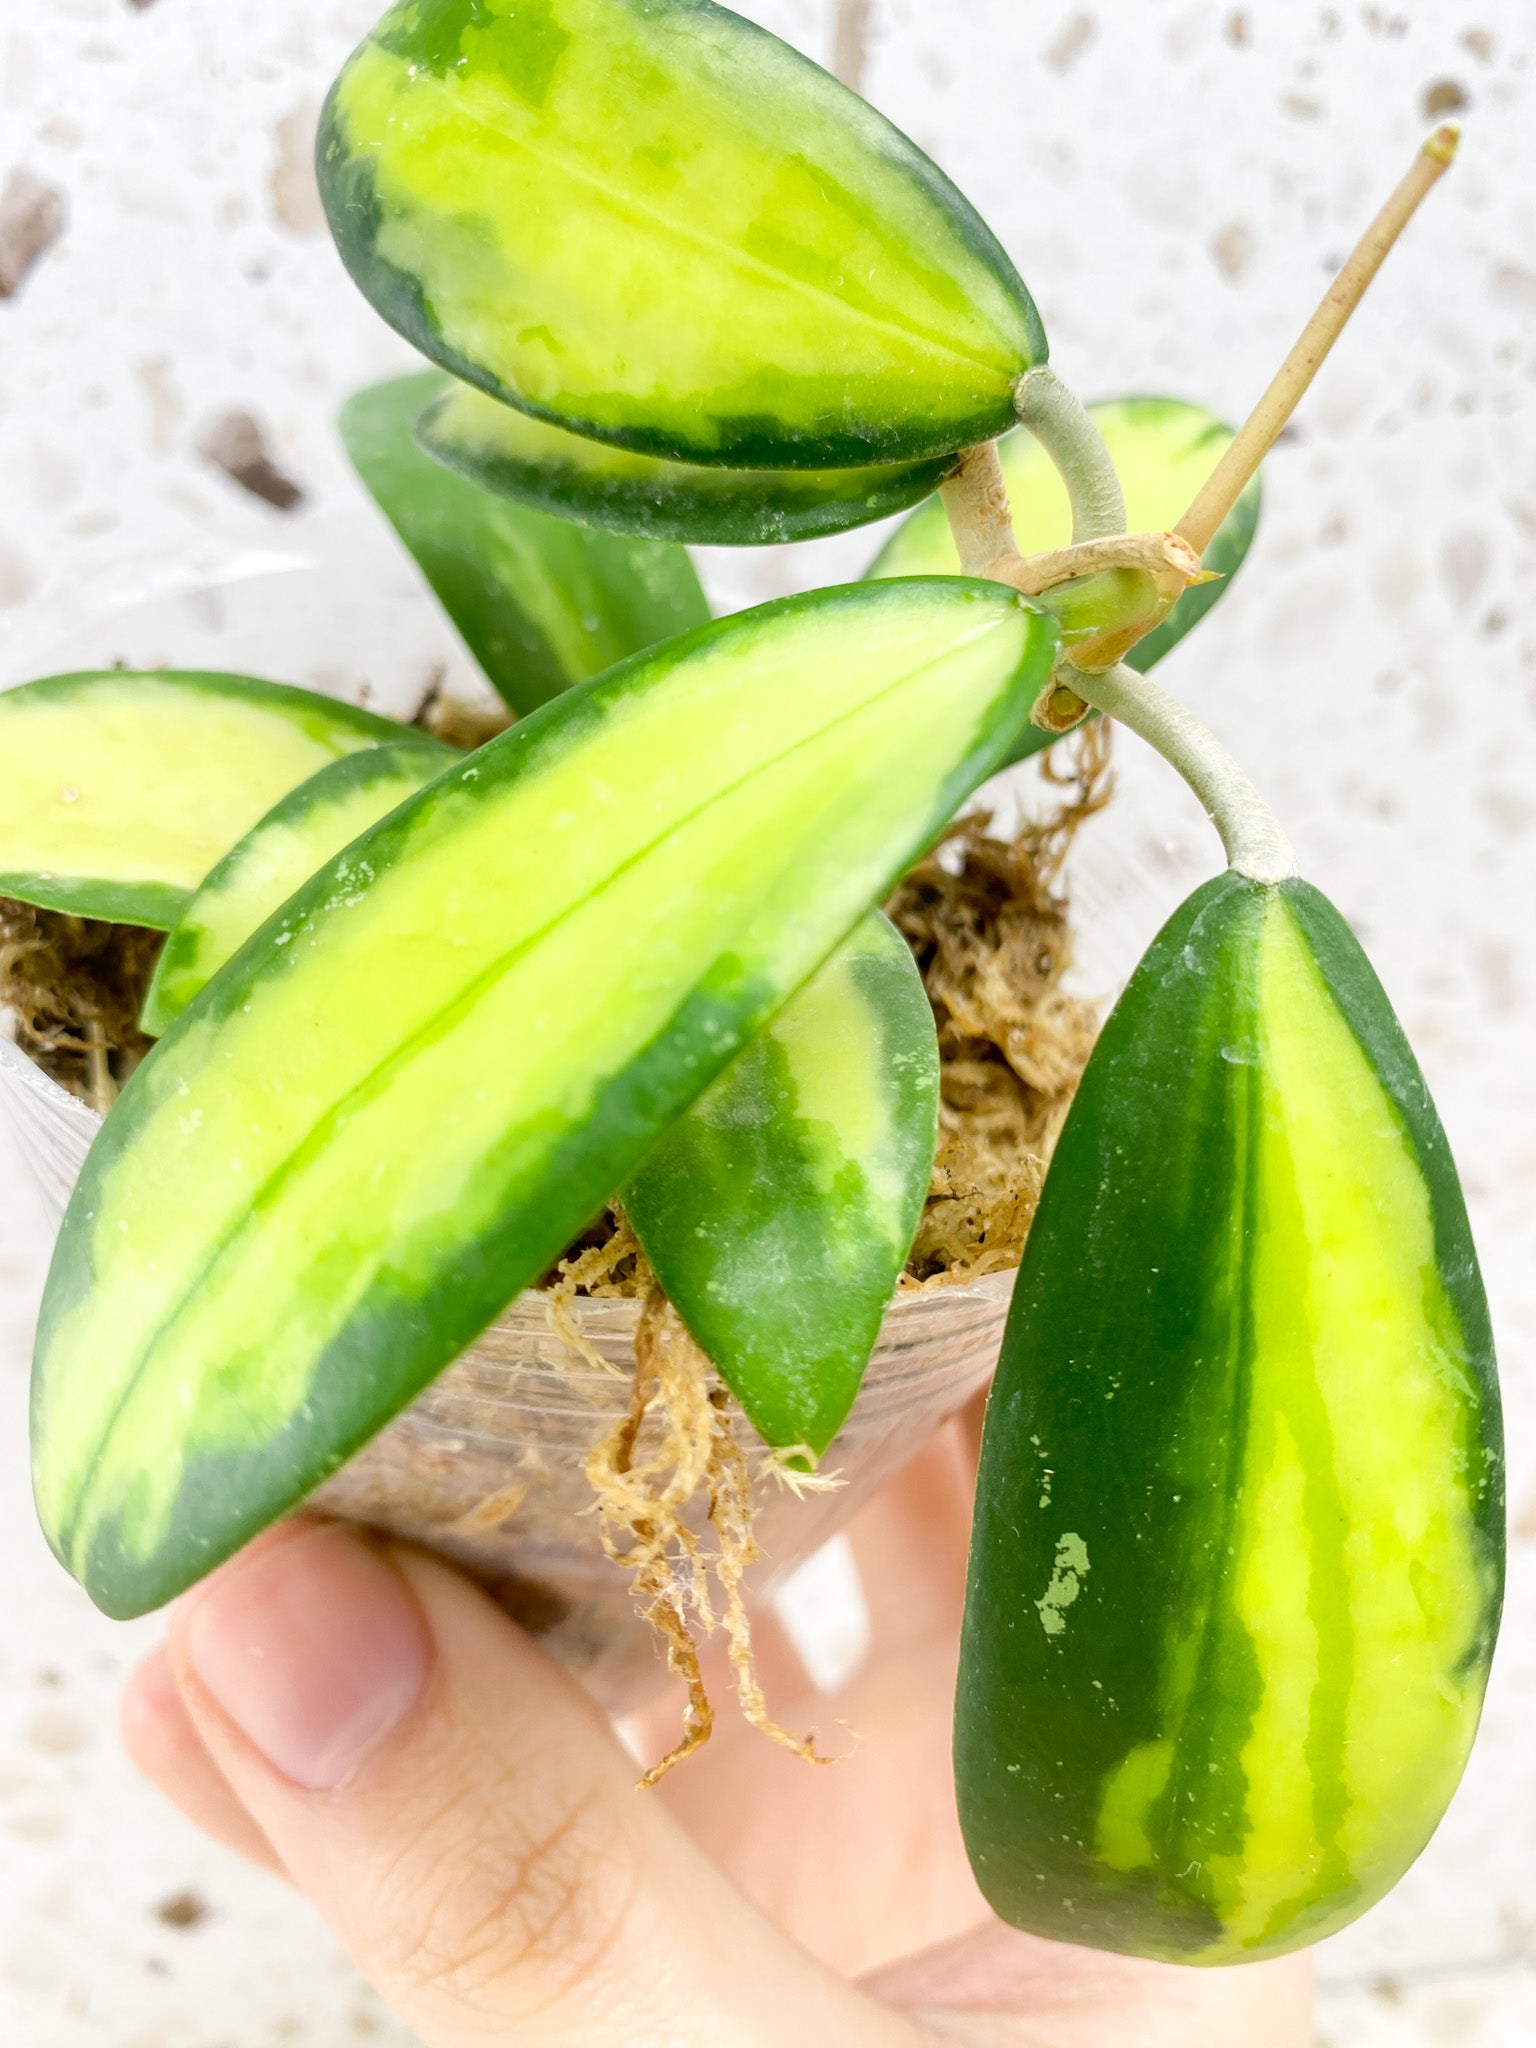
x: 1174, y: 179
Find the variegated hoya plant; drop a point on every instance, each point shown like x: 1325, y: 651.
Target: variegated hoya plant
x: 1237, y: 1561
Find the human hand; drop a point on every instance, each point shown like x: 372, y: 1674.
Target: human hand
x: 360, y: 1718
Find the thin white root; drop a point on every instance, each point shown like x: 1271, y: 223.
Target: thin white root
x: 803, y: 1478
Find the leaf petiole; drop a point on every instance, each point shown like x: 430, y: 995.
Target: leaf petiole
x: 1255, y: 842
x: 1065, y: 430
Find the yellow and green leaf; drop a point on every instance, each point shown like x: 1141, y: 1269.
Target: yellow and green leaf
x: 301, y: 832
x: 654, y: 223
x: 574, y: 478
x: 778, y: 1211
x: 421, y: 1080
x: 119, y: 788
x: 541, y: 603
x: 1237, y: 1563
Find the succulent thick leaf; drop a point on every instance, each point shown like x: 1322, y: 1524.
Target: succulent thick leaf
x: 422, y: 1079
x: 119, y: 789
x: 541, y: 603
x: 779, y: 1210
x: 1164, y: 450
x: 1237, y: 1561
x: 600, y: 485
x: 296, y: 838
x: 654, y: 223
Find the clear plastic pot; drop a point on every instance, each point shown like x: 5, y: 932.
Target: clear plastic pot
x: 487, y: 1465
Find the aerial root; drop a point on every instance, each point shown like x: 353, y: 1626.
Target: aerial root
x: 675, y: 1446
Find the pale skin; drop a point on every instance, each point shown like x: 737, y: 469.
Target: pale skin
x: 359, y: 1718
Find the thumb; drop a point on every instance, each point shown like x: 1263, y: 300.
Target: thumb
x: 465, y: 1821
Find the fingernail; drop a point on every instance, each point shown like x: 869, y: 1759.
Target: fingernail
x: 315, y: 1650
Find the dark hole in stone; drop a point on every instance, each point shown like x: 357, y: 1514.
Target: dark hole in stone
x: 1443, y: 96
x: 32, y: 218
x: 183, y: 1911
x: 234, y: 443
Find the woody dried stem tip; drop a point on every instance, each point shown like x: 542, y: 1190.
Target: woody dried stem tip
x: 1257, y: 436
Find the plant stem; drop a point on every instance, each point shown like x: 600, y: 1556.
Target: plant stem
x: 975, y: 499
x: 1256, y: 845
x: 1068, y: 435
x: 1256, y: 437
x: 975, y: 495
x: 1165, y: 559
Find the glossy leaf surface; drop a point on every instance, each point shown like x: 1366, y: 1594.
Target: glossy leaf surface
x: 778, y: 1211
x: 1164, y: 450
x: 540, y: 603
x: 654, y: 223
x: 120, y: 788
x: 1237, y: 1563
x: 296, y: 838
x: 615, y: 488
x: 483, y: 1014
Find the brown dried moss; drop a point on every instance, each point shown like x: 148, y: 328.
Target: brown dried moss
x: 988, y: 923
x: 74, y: 988
x: 457, y: 720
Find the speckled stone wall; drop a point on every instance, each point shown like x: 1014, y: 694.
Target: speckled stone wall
x: 1175, y: 179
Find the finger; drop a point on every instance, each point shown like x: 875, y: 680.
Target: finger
x: 910, y: 1544
x: 159, y: 1736
x: 998, y: 1989
x: 466, y: 1822
x: 890, y: 1873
